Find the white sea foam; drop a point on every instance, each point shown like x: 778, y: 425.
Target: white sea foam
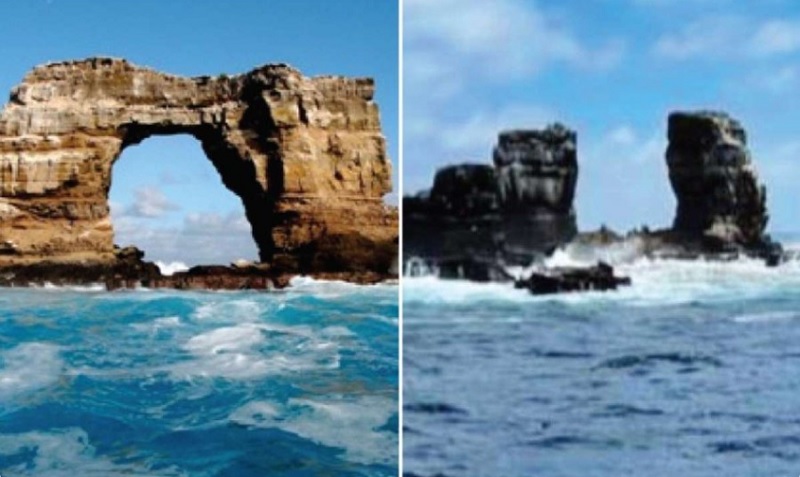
x: 158, y: 324
x: 332, y: 288
x: 348, y: 423
x: 766, y: 316
x: 66, y: 453
x: 170, y: 268
x: 251, y: 350
x: 227, y: 310
x: 93, y: 288
x: 29, y: 367
x: 655, y: 282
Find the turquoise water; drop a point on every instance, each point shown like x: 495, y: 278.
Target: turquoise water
x: 300, y: 382
x: 693, y: 371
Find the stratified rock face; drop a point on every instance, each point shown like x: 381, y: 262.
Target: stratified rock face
x: 714, y: 179
x: 513, y: 211
x: 306, y: 155
x: 537, y: 169
x: 458, y: 216
x: 465, y: 190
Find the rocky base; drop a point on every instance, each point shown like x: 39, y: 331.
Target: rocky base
x: 570, y: 279
x: 677, y: 245
x: 129, y: 270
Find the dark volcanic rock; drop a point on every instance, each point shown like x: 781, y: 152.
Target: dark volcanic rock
x: 477, y: 220
x: 511, y: 213
x: 537, y: 170
x: 458, y: 218
x: 465, y: 190
x: 715, y: 183
x: 569, y: 279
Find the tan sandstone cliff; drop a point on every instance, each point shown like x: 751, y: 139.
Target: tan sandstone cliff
x: 305, y: 155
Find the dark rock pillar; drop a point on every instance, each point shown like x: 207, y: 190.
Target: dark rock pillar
x: 714, y: 180
x: 537, y: 171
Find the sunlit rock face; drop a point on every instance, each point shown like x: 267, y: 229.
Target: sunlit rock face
x: 715, y: 182
x: 305, y: 155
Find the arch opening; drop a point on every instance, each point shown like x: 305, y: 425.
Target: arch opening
x: 169, y: 198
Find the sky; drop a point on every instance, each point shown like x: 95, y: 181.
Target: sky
x: 612, y: 70
x: 166, y: 197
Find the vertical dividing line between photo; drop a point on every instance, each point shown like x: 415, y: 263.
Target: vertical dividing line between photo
x: 400, y: 238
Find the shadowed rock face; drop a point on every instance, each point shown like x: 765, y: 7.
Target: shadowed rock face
x: 537, y: 170
x: 515, y: 210
x: 714, y: 179
x: 305, y: 155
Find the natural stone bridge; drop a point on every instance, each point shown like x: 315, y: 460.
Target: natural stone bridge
x: 305, y: 155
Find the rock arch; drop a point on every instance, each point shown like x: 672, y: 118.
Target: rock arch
x: 305, y: 155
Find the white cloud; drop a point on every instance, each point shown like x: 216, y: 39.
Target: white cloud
x: 202, y: 238
x: 446, y: 40
x: 622, y: 144
x: 622, y: 136
x: 784, y: 79
x: 456, y: 50
x: 210, y: 223
x: 730, y: 37
x: 680, y: 3
x: 478, y: 133
x: 778, y: 163
x: 623, y: 180
x: 149, y: 202
x: 427, y: 74
x: 776, y: 37
x: 467, y: 139
x: 718, y: 35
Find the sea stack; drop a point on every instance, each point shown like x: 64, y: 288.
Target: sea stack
x: 477, y: 217
x: 537, y: 171
x: 714, y: 179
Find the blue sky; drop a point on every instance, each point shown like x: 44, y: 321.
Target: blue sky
x: 613, y: 70
x: 166, y: 196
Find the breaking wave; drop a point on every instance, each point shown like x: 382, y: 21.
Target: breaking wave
x: 170, y: 268
x: 654, y: 281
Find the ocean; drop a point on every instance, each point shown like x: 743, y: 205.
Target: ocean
x: 299, y: 382
x: 693, y: 371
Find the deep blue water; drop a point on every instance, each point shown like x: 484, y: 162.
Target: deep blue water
x: 301, y: 382
x: 693, y: 371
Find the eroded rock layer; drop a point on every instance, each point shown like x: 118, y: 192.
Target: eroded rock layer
x: 305, y: 155
x: 537, y: 171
